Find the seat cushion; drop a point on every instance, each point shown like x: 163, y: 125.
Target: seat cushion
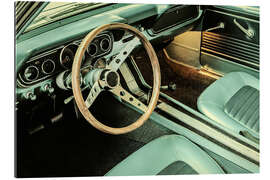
x: 244, y: 107
x: 162, y: 153
x: 233, y: 101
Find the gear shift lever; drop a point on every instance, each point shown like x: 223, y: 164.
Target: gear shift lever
x: 171, y: 86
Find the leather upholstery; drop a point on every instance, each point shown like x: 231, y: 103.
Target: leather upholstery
x: 233, y: 101
x: 244, y: 107
x: 155, y: 156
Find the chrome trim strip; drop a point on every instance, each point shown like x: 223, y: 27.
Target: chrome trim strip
x: 32, y: 82
x: 44, y: 54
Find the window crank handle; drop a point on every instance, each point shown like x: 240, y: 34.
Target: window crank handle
x: 248, y: 32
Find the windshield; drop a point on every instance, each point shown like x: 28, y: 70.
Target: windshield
x: 59, y: 10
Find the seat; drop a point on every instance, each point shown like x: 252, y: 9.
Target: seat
x: 157, y: 156
x: 233, y: 101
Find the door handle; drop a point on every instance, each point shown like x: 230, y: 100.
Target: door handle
x: 219, y: 26
x: 248, y: 32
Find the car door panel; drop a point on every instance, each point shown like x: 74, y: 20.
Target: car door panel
x: 234, y: 47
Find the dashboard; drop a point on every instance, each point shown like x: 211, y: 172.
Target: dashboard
x: 45, y: 56
x: 52, y: 62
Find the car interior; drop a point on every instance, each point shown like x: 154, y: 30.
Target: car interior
x: 137, y: 89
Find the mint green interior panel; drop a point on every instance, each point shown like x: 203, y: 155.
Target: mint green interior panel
x: 212, y: 101
x: 160, y: 153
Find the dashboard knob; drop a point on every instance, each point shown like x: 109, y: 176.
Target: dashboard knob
x: 141, y: 29
x: 30, y: 95
x: 48, y: 88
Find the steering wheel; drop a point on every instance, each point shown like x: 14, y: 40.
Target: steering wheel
x: 108, y: 79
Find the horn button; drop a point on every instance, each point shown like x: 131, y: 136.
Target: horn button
x: 111, y: 79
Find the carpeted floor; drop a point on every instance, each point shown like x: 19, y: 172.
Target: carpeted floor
x: 74, y: 148
x: 190, y: 83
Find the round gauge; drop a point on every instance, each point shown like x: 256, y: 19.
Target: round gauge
x: 66, y: 57
x: 105, y: 44
x: 100, y: 63
x: 48, y: 66
x: 92, y: 49
x: 31, y: 73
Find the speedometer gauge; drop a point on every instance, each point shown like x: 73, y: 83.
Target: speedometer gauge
x: 66, y: 57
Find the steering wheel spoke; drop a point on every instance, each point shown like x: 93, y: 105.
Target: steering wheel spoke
x: 126, y: 96
x: 123, y: 54
x: 94, y: 92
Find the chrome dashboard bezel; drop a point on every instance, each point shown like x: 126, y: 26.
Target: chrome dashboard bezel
x: 22, y: 83
x: 88, y: 49
x: 36, y: 75
x: 109, y: 47
x: 60, y: 55
x: 42, y: 68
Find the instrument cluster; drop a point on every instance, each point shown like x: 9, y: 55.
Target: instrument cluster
x: 55, y: 61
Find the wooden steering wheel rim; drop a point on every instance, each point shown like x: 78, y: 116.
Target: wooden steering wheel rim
x: 76, y: 79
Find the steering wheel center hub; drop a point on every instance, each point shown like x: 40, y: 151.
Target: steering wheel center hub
x: 112, y: 78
